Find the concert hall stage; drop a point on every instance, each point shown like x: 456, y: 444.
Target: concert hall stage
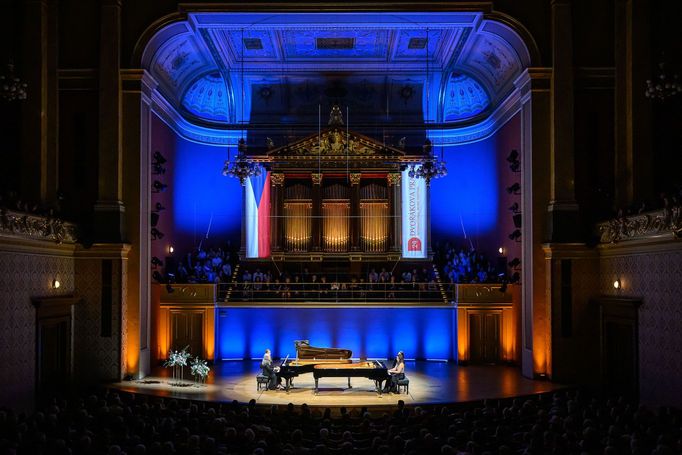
x: 430, y: 383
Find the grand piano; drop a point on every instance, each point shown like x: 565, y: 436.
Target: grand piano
x: 332, y: 362
x: 371, y: 369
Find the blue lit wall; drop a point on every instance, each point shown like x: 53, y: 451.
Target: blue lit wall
x: 467, y: 199
x: 423, y: 333
x: 202, y: 196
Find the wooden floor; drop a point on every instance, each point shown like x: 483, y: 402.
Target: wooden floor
x: 430, y: 383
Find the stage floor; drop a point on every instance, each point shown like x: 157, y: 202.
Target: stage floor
x: 430, y: 383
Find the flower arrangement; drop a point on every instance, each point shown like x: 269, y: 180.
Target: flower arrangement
x: 199, y: 369
x: 178, y: 361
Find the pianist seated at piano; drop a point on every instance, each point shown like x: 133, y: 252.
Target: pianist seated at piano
x: 397, y: 373
x: 270, y: 371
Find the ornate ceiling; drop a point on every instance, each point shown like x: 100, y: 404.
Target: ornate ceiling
x: 232, y: 68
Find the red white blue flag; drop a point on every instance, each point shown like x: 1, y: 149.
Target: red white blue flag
x: 258, y: 216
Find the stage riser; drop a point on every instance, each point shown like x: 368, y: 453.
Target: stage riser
x: 422, y: 333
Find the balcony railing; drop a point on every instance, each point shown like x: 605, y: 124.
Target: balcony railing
x: 330, y: 293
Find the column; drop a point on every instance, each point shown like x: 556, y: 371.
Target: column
x: 633, y: 165
x: 276, y: 210
x: 355, y: 211
x: 563, y: 209
x: 534, y: 89
x: 395, y: 205
x: 39, y: 165
x: 109, y: 219
x: 137, y: 87
x: 317, y: 211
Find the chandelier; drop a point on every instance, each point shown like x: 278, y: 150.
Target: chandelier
x: 663, y: 86
x: 430, y: 168
x: 241, y: 167
x: 11, y: 87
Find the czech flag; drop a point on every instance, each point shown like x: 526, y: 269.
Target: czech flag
x: 258, y: 216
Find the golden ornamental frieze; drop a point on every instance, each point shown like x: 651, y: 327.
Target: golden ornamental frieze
x: 333, y: 142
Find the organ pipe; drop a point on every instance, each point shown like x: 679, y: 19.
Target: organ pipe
x: 335, y: 226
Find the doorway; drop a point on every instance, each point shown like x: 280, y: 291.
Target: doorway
x: 484, y: 337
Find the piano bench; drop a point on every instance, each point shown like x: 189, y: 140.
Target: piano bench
x: 262, y: 381
x: 405, y: 383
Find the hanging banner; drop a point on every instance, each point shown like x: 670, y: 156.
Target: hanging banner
x: 415, y: 242
x: 257, y: 212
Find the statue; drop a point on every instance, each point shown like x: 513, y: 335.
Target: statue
x: 336, y: 117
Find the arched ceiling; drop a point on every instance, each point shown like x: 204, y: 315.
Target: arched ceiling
x: 282, y: 66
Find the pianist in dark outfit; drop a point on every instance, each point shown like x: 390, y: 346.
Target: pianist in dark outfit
x: 397, y: 373
x: 269, y: 370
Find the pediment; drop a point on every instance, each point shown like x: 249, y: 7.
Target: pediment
x: 336, y: 142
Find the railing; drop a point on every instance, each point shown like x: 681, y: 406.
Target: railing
x: 658, y: 223
x: 464, y: 293
x: 330, y: 292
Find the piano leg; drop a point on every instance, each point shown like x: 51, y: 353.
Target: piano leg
x: 377, y: 386
x: 349, y: 386
x: 316, y: 381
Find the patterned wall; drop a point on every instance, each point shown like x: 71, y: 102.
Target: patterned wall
x: 656, y: 277
x: 23, y: 276
x: 97, y: 358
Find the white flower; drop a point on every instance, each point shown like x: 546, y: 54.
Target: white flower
x: 199, y: 367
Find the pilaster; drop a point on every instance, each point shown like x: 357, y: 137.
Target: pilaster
x: 109, y: 217
x: 317, y: 211
x: 276, y: 210
x: 562, y: 209
x: 355, y: 210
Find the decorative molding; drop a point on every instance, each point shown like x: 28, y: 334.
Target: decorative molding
x: 197, y: 294
x: 37, y: 227
x: 194, y: 133
x: 103, y: 251
x: 316, y: 178
x: 662, y: 223
x: 481, y: 293
x: 355, y: 178
x: 80, y: 79
x: 460, y: 134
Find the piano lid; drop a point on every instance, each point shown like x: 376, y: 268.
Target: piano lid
x: 305, y: 351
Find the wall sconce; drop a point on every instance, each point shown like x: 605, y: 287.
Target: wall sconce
x: 617, y: 284
x: 56, y: 284
x: 171, y: 249
x: 501, y: 250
